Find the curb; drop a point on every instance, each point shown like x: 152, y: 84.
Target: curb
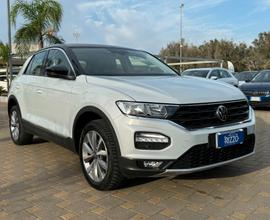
x: 3, y: 99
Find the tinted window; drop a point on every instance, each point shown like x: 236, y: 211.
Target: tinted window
x: 244, y: 76
x: 36, y: 65
x: 117, y: 61
x: 197, y: 73
x: 57, y: 58
x: 224, y: 74
x: 263, y: 76
x: 215, y: 73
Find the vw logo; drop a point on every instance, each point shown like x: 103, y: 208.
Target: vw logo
x: 222, y: 113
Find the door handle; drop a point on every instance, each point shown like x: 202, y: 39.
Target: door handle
x: 39, y: 91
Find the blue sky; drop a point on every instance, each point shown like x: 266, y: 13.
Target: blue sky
x: 151, y: 24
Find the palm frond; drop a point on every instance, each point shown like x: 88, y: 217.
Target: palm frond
x: 53, y: 13
x: 53, y: 39
x: 40, y: 16
x: 4, y: 52
x: 25, y: 9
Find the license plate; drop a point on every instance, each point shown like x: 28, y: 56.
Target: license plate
x: 229, y: 138
x: 255, y: 99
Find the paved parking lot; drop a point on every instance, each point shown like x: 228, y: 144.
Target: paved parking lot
x: 44, y: 181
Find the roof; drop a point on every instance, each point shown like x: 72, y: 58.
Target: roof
x: 88, y: 45
x: 208, y: 68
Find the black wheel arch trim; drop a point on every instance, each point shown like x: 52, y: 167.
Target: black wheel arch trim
x: 95, y: 110
x: 10, y: 99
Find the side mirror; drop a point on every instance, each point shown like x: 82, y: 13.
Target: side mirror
x: 59, y: 71
x: 214, y: 77
x: 248, y: 80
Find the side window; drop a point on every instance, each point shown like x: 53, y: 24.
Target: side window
x: 57, y: 58
x: 35, y: 67
x: 215, y: 73
x: 224, y: 74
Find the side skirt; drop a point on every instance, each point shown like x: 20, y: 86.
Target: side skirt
x: 48, y: 135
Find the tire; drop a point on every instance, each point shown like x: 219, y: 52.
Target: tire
x: 99, y: 157
x: 17, y: 131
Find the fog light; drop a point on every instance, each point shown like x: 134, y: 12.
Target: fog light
x: 152, y: 164
x: 151, y: 141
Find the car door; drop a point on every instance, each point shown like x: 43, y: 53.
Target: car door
x: 31, y: 93
x: 56, y: 105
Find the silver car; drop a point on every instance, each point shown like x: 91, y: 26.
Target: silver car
x: 219, y: 74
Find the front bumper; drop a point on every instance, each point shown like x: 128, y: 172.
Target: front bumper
x: 182, y: 141
x: 198, y: 158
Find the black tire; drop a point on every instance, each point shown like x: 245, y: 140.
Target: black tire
x: 23, y: 137
x: 113, y: 178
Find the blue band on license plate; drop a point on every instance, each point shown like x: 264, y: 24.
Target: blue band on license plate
x: 229, y: 138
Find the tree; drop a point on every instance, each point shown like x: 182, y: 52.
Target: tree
x: 4, y: 55
x: 261, y: 47
x: 42, y: 21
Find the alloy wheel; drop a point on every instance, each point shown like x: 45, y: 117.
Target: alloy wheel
x: 95, y: 156
x: 14, y: 125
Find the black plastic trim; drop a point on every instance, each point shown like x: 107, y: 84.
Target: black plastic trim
x: 130, y: 168
x: 12, y: 98
x: 48, y: 135
x: 92, y: 109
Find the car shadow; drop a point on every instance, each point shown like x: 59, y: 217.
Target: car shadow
x: 38, y: 140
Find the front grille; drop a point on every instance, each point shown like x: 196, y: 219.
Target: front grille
x: 204, y: 115
x: 256, y: 93
x: 203, y: 155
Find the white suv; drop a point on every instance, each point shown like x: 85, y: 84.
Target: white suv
x: 127, y: 114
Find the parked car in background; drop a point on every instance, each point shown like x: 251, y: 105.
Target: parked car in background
x: 3, y: 82
x: 258, y: 89
x: 127, y: 114
x: 245, y: 76
x: 219, y: 74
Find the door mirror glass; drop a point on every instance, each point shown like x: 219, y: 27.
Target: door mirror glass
x: 58, y: 71
x: 57, y: 65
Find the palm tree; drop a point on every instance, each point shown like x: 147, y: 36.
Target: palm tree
x: 4, y: 54
x: 42, y: 21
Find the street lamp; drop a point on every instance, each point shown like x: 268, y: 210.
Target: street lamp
x: 76, y: 35
x: 9, y: 44
x: 181, y: 36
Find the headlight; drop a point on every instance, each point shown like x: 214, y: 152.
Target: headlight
x: 151, y: 110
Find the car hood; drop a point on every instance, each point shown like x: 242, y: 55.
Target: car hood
x: 168, y: 89
x: 256, y: 86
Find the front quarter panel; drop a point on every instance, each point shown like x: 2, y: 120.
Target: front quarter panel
x: 91, y: 95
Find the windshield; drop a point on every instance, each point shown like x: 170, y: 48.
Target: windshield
x: 245, y: 76
x: 197, y: 73
x: 263, y: 76
x: 119, y: 62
